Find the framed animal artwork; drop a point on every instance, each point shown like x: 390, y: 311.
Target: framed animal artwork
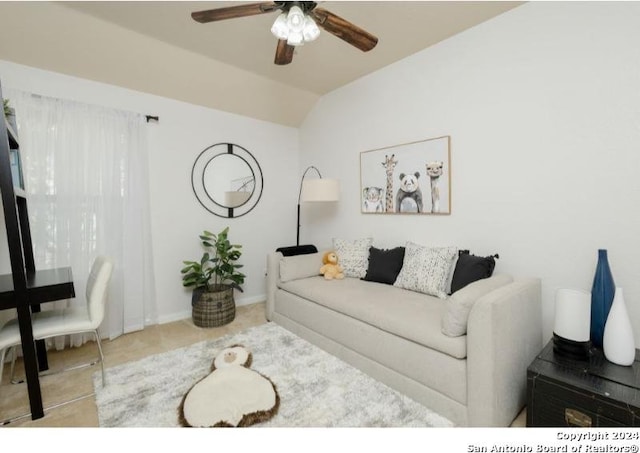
x: 413, y: 178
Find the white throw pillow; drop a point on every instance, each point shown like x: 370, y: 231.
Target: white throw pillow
x: 353, y: 256
x: 426, y: 269
x: 454, y: 261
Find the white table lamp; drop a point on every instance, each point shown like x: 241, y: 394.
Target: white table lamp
x: 572, y: 323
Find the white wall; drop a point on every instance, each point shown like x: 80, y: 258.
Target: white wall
x: 543, y: 108
x: 185, y: 130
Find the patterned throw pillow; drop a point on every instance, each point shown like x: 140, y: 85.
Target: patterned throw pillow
x: 353, y: 256
x: 426, y: 269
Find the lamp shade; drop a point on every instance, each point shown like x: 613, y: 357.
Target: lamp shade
x: 233, y: 199
x: 295, y: 38
x: 311, y: 30
x: 280, y: 28
x: 295, y: 19
x: 320, y: 189
x: 572, y: 322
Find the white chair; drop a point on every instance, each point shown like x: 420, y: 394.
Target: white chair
x: 9, y: 339
x: 67, y: 321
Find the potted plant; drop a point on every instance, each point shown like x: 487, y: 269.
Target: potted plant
x: 9, y: 114
x: 213, y: 280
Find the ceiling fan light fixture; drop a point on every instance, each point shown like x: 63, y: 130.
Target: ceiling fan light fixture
x: 297, y: 23
x: 280, y: 27
x: 295, y: 27
x: 311, y: 30
x: 295, y: 38
x: 295, y: 19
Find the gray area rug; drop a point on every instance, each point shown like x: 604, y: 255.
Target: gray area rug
x: 316, y: 389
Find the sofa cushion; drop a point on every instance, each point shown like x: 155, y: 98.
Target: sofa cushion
x: 300, y: 266
x: 459, y: 305
x: 384, y: 265
x: 379, y: 353
x: 426, y: 269
x: 353, y: 256
x: 470, y: 268
x: 410, y: 315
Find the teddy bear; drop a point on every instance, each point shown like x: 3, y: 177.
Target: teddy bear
x: 330, y: 267
x: 231, y: 395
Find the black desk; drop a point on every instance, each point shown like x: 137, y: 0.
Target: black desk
x: 42, y: 286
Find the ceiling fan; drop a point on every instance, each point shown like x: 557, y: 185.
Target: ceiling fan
x: 297, y: 23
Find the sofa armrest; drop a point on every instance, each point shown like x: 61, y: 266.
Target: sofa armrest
x: 273, y: 278
x: 504, y: 335
x: 282, y: 268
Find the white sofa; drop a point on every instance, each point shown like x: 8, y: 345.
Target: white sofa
x: 396, y: 335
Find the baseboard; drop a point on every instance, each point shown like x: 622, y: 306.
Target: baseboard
x: 179, y: 316
x: 186, y: 314
x: 250, y: 300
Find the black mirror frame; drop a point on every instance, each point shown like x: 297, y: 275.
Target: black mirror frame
x: 201, y: 193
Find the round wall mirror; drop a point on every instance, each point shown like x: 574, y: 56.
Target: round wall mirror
x: 227, y: 180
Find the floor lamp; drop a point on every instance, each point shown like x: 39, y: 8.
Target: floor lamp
x: 312, y: 190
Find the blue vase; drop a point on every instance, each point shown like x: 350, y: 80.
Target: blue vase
x: 602, y: 294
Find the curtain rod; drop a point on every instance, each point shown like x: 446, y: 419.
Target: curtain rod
x: 149, y: 118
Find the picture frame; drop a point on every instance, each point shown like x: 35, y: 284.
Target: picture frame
x: 411, y: 178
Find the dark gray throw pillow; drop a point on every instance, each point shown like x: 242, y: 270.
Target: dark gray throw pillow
x: 471, y: 268
x: 384, y: 265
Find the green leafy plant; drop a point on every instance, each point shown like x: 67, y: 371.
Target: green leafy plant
x: 6, y: 107
x: 217, y: 268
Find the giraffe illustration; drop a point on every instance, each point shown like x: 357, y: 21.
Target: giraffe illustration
x: 389, y: 164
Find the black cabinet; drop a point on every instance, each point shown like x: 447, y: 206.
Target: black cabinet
x: 584, y: 393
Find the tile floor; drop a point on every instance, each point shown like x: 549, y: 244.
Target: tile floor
x: 61, y: 387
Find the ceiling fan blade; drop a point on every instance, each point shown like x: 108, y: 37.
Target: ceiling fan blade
x: 344, y: 29
x: 284, y: 53
x: 232, y: 12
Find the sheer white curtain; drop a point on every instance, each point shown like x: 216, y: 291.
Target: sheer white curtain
x: 87, y: 192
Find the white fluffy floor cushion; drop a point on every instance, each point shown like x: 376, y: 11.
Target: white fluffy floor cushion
x: 231, y: 395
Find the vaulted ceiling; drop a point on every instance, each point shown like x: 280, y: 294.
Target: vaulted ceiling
x: 226, y: 64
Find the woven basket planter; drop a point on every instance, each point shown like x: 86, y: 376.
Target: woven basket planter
x: 213, y: 308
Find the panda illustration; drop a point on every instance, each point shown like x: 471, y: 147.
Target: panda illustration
x: 409, y: 196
